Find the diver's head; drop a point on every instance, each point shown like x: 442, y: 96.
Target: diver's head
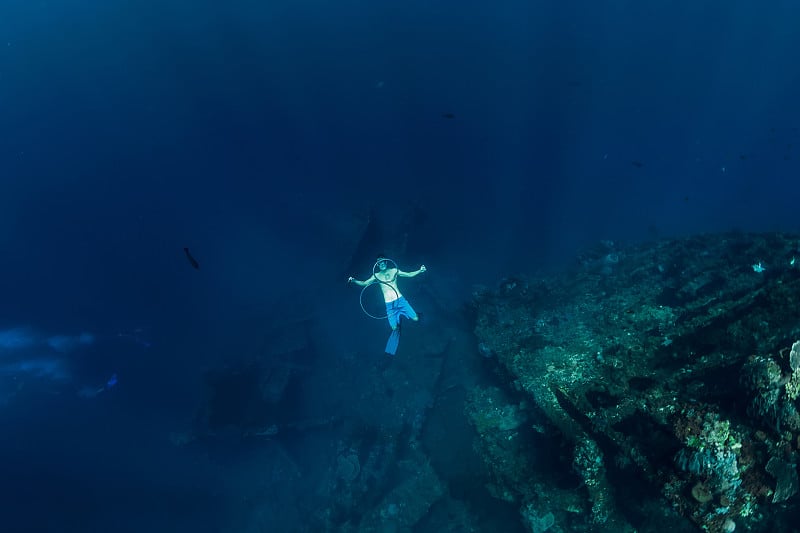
x: 382, y: 262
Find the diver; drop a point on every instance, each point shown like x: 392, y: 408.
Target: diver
x: 386, y: 273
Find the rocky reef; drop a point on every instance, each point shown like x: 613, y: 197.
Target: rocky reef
x: 660, y: 380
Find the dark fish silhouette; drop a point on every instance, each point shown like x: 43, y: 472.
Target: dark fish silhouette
x: 191, y: 259
x: 637, y: 164
x: 448, y: 115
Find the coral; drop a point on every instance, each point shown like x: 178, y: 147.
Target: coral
x: 489, y: 411
x: 773, y: 393
x: 588, y: 463
x: 713, y: 458
x: 728, y: 526
x: 534, y: 522
x: 701, y: 493
x: 793, y: 385
x: 794, y: 356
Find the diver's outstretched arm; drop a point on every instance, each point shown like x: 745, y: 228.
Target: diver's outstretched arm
x: 370, y: 280
x: 417, y: 272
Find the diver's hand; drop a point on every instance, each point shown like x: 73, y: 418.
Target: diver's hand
x: 422, y: 268
x: 350, y: 279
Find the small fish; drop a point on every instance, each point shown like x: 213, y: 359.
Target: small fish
x: 637, y: 164
x: 448, y: 115
x: 191, y: 259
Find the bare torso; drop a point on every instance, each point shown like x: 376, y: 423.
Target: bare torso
x: 388, y: 279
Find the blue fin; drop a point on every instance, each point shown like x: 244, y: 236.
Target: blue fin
x: 393, y: 342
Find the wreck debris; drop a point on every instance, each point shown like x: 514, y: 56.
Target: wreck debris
x: 667, y: 367
x: 786, y: 475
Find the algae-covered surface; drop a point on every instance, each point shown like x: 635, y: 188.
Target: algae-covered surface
x: 664, y: 373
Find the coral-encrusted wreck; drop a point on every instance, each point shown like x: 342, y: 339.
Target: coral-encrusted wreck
x: 663, y: 373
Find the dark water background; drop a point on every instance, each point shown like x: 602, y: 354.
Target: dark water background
x: 248, y: 130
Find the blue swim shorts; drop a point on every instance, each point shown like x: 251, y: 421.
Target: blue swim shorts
x: 398, y: 308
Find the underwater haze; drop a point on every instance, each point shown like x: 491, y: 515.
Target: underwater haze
x: 185, y: 188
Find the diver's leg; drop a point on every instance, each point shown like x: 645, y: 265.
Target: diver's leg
x: 408, y: 311
x: 393, y: 314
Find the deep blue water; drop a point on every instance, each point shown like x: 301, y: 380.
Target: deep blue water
x: 484, y: 139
